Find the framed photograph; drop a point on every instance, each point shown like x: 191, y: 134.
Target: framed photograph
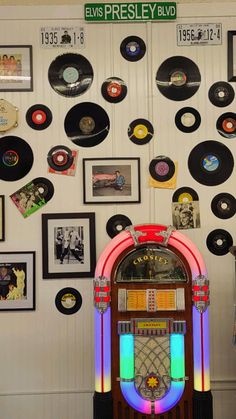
x: 69, y: 248
x: 111, y: 180
x: 2, y: 218
x: 17, y: 280
x: 16, y: 68
x: 231, y: 55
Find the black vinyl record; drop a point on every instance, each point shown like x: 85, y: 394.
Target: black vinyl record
x: 223, y: 205
x: 45, y: 187
x: 140, y: 131
x: 221, y: 94
x: 132, y: 48
x: 38, y: 117
x: 70, y: 74
x: 210, y: 163
x: 114, y: 90
x: 178, y: 78
x: 16, y: 158
x: 187, y: 119
x: 185, y: 194
x: 68, y: 300
x: 226, y: 125
x: 116, y: 224
x: 87, y: 124
x: 60, y: 158
x: 219, y: 241
x: 162, y: 168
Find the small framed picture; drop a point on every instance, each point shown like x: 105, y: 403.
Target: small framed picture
x: 16, y: 72
x: 69, y: 248
x: 2, y: 217
x: 17, y: 280
x: 111, y: 180
x: 231, y: 55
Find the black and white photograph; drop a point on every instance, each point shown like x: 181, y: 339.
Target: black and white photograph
x: 186, y: 215
x: 68, y: 245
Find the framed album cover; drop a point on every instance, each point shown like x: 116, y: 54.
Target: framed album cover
x: 231, y: 55
x: 111, y: 180
x: 17, y: 280
x: 2, y: 217
x: 69, y: 249
x: 16, y: 72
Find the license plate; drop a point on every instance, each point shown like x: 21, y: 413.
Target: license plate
x: 199, y: 34
x: 62, y: 37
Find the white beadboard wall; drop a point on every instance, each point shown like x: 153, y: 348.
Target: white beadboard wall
x: 47, y: 358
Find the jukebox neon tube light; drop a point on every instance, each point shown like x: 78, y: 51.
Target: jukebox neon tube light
x: 132, y: 238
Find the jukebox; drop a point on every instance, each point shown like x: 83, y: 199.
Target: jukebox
x: 151, y: 297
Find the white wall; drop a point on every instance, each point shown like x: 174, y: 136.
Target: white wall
x: 47, y: 358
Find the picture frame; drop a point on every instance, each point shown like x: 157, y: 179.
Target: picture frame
x: 69, y: 248
x: 111, y: 180
x: 231, y: 55
x: 16, y: 69
x: 2, y: 218
x: 17, y: 280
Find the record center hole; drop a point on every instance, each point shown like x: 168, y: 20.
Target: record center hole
x: 219, y: 242
x: 229, y: 125
x: 119, y: 227
x: 41, y: 190
x: 224, y: 206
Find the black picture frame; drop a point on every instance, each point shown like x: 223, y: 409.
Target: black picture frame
x: 2, y: 218
x: 100, y: 180
x: 16, y: 68
x: 231, y: 43
x: 69, y: 247
x: 17, y: 290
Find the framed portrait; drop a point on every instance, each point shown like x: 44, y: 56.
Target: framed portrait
x: 2, y: 217
x: 16, y: 72
x: 17, y: 280
x: 231, y: 55
x: 69, y: 248
x: 111, y: 180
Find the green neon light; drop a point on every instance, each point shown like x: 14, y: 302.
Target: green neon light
x: 177, y: 356
x: 127, y: 356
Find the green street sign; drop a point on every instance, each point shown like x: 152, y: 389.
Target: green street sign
x: 129, y: 12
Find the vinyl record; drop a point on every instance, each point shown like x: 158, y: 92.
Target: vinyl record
x: 185, y: 194
x: 221, y: 94
x: 60, y: 158
x: 162, y: 168
x: 178, y: 78
x: 187, y: 119
x: 140, y: 131
x: 114, y: 90
x: 70, y: 74
x: 87, y: 124
x: 68, y: 300
x: 226, y: 125
x: 210, y: 163
x: 116, y: 224
x: 16, y: 158
x: 132, y: 48
x: 38, y: 117
x: 223, y: 205
x: 44, y: 187
x: 219, y: 241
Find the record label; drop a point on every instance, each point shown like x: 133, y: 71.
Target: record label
x: 114, y: 90
x: 132, y: 48
x: 60, y: 158
x: 68, y: 300
x: 140, y: 131
x: 16, y: 158
x: 187, y: 119
x: 38, y: 117
x: 226, y: 125
x: 219, y: 241
x: 178, y: 78
x: 223, y: 205
x: 70, y: 74
x: 221, y: 94
x: 116, y: 224
x: 210, y: 163
x: 162, y: 168
x: 87, y: 124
